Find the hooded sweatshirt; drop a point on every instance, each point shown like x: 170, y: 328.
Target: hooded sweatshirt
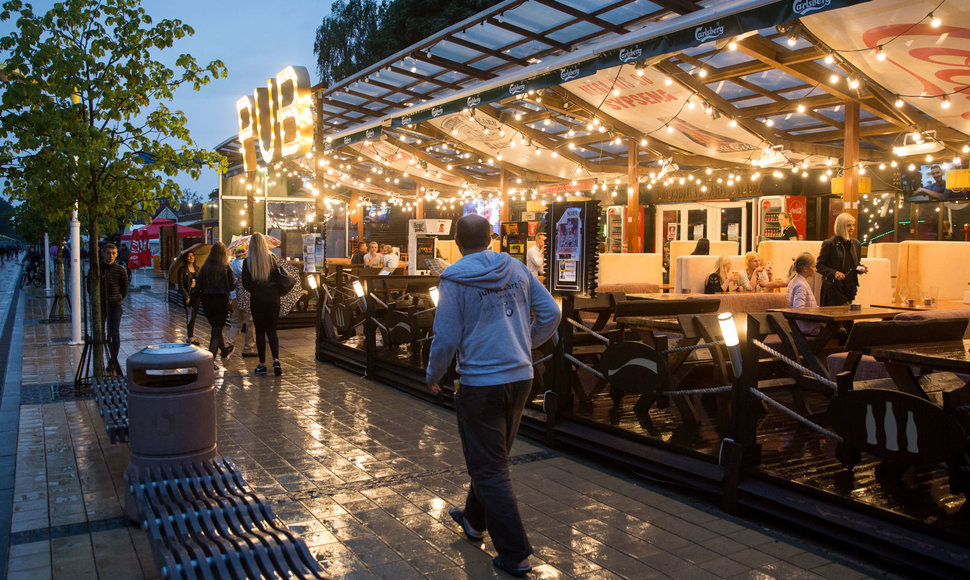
x: 484, y: 305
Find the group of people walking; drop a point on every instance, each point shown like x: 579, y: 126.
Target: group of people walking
x: 230, y: 293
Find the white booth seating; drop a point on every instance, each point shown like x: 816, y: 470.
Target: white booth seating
x: 890, y: 251
x: 680, y: 248
x: 927, y: 267
x: 782, y: 254
x: 449, y: 249
x: 874, y: 286
x: 630, y: 269
x: 692, y: 272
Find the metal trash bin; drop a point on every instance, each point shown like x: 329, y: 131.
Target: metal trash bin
x: 171, y: 411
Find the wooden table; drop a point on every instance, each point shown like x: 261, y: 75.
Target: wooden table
x: 831, y: 318
x: 953, y: 356
x: 945, y: 305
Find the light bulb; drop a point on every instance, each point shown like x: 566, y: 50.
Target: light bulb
x: 880, y: 54
x: 898, y: 103
x: 946, y: 103
x: 935, y: 21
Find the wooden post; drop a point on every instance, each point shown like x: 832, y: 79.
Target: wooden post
x: 634, y: 243
x: 504, y: 189
x: 419, y: 206
x: 850, y: 197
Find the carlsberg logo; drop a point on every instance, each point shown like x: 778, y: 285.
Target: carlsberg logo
x: 369, y: 133
x: 803, y: 7
x: 705, y: 33
x: 516, y: 88
x: 570, y: 73
x: 628, y: 54
x: 437, y: 111
x: 473, y: 101
x: 406, y: 120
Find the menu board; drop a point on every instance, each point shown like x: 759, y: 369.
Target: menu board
x: 313, y: 253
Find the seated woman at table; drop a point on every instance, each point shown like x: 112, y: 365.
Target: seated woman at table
x: 755, y: 277
x: 721, y: 278
x: 800, y: 292
x: 838, y: 263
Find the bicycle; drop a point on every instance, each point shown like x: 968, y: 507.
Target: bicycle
x: 30, y: 277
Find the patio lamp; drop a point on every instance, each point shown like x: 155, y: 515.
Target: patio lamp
x: 730, y: 333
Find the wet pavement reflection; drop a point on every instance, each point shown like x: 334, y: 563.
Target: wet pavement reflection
x: 365, y: 473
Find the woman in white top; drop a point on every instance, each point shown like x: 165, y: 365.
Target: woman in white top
x: 800, y: 292
x: 391, y: 260
x: 755, y: 277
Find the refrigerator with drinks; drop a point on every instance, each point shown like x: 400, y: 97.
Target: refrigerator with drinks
x: 770, y: 206
x: 615, y: 228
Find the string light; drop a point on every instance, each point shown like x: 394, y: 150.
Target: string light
x: 880, y: 54
x: 935, y: 21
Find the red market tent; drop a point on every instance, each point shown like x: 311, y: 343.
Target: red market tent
x: 153, y: 230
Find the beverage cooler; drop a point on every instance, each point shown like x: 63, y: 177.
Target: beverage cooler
x: 616, y: 232
x: 615, y: 228
x: 770, y: 206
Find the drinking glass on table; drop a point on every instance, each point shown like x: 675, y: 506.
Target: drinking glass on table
x: 903, y: 291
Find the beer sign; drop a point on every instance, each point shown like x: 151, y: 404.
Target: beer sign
x: 279, y: 116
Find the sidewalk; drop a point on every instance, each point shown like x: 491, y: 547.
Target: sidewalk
x: 364, y: 472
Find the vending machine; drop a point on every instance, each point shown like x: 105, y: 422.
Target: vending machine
x: 770, y: 206
x: 615, y: 228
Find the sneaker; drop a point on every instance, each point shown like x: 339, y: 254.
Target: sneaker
x: 249, y: 354
x: 260, y: 370
x: 277, y: 369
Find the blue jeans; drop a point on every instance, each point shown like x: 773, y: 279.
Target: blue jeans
x: 488, y: 420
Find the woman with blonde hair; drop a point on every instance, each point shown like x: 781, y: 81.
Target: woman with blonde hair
x: 721, y: 278
x: 839, y: 263
x: 391, y: 260
x: 261, y: 277
x: 755, y: 277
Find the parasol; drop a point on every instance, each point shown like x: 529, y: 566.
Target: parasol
x: 289, y: 300
x: 243, y: 242
x: 201, y: 252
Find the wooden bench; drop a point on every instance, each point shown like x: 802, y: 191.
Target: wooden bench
x: 867, y: 334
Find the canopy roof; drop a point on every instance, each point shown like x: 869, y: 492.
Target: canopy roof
x: 153, y: 230
x: 551, y: 90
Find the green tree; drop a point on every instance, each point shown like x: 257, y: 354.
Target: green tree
x: 359, y: 33
x: 85, y: 106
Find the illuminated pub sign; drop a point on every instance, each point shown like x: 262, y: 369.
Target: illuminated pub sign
x: 280, y: 116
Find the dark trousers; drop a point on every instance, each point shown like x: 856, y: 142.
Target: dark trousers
x: 112, y: 318
x: 266, y: 317
x: 488, y: 420
x: 216, y: 311
x: 191, y: 312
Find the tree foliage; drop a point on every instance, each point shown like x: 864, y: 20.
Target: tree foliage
x: 359, y: 33
x: 85, y: 106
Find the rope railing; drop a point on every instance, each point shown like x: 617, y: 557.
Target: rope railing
x: 708, y: 391
x: 693, y: 347
x: 584, y: 366
x: 804, y: 370
x: 542, y: 360
x: 588, y: 330
x: 796, y: 416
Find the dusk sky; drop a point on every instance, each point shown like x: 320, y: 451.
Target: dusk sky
x: 254, y: 39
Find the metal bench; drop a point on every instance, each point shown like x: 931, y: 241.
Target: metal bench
x: 204, y: 521
x: 111, y: 396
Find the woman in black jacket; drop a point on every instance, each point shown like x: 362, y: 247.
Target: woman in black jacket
x: 261, y: 277
x: 838, y: 263
x: 190, y: 276
x: 213, y: 286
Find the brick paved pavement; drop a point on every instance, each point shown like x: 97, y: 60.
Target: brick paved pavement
x: 364, y: 472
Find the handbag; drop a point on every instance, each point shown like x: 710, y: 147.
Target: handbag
x: 230, y: 306
x: 284, y: 283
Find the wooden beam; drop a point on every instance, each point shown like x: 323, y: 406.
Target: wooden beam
x: 633, y: 227
x: 530, y: 35
x: 850, y: 195
x: 485, y: 50
x: 453, y: 65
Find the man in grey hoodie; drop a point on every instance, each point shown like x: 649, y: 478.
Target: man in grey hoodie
x: 484, y: 316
